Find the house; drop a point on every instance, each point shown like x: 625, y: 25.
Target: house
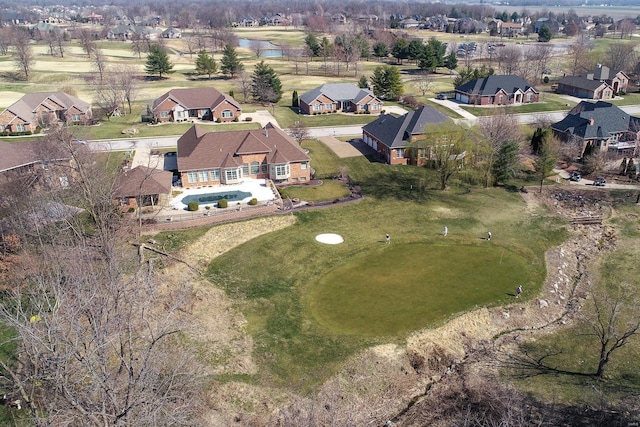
x: 39, y: 109
x: 142, y: 187
x: 172, y: 33
x: 599, y: 126
x: 582, y: 87
x: 497, y: 90
x: 601, y: 83
x: 345, y: 97
x: 409, y: 23
x: 511, y: 29
x: 36, y: 164
x: 214, y: 158
x: 203, y: 103
x: 391, y: 136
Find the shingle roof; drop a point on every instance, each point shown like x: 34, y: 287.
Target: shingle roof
x: 581, y: 82
x: 193, y: 98
x: 337, y: 92
x: 492, y: 84
x: 198, y: 150
x: 16, y: 154
x: 24, y: 107
x: 394, y: 132
x: 607, y: 118
x: 142, y: 181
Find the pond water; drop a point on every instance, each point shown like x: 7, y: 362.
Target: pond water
x: 269, y: 50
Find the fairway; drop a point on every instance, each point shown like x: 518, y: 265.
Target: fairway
x: 403, y: 287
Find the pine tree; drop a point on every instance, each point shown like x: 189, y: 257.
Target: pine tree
x: 158, y: 61
x: 295, y: 102
x: 266, y: 85
x: 363, y: 83
x: 386, y: 82
x: 206, y: 64
x: 230, y: 64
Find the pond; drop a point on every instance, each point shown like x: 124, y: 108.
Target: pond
x: 269, y: 50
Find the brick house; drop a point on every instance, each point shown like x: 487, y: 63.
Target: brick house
x: 600, y: 125
x: 391, y: 136
x: 43, y: 108
x: 214, y: 158
x: 601, y: 83
x: 205, y: 103
x: 333, y: 97
x: 497, y: 90
x: 36, y: 164
x: 141, y: 187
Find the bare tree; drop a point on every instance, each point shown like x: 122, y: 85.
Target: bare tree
x: 613, y: 320
x: 256, y: 47
x: 626, y: 27
x: 86, y: 41
x: 245, y: 80
x: 498, y: 129
x: 99, y: 62
x: 139, y: 45
x: 425, y: 83
x: 508, y: 59
x: 538, y: 59
x: 579, y: 56
x: 299, y: 131
x: 127, y: 82
x: 5, y: 40
x: 595, y: 163
x: 621, y: 56
x: 61, y: 42
x: 22, y: 53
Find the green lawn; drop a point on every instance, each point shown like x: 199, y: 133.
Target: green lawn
x: 549, y: 102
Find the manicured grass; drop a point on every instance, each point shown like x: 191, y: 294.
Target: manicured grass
x: 550, y: 102
x: 328, y: 191
x: 401, y: 287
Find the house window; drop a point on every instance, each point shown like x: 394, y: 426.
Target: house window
x: 231, y: 174
x: 215, y: 174
x: 164, y: 114
x: 282, y: 171
x: 203, y: 176
x: 500, y: 99
x: 303, y: 166
x: 192, y: 177
x: 245, y: 169
x: 75, y: 117
x: 303, y: 179
x: 528, y: 97
x: 374, y: 106
x: 226, y: 114
x: 265, y: 167
x: 400, y: 152
x: 181, y: 114
x: 20, y: 127
x: 255, y: 168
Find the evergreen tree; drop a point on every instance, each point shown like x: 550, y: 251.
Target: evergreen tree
x: 158, y: 61
x: 631, y: 168
x: 266, y: 85
x: 363, y: 83
x: 313, y: 44
x: 504, y: 166
x: 547, y: 157
x: 230, y: 65
x: 206, y: 64
x: 536, y: 140
x: 386, y: 82
x: 380, y: 50
x: 400, y: 50
x: 624, y: 167
x: 544, y: 34
x: 451, y: 61
x: 295, y: 102
x: 415, y: 49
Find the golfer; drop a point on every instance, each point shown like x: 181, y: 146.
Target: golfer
x: 488, y: 235
x: 445, y: 231
x: 518, y: 291
x: 388, y: 238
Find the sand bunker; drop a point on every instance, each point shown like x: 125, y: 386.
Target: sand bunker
x: 330, y: 238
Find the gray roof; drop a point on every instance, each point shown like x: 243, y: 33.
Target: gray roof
x: 608, y: 119
x: 581, y: 82
x: 492, y: 84
x: 394, y: 132
x: 25, y: 107
x: 337, y: 92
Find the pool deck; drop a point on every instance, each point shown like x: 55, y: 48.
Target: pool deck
x: 257, y: 187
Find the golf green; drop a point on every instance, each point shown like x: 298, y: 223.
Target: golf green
x: 404, y: 287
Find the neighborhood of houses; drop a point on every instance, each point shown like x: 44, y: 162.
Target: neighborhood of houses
x: 209, y: 159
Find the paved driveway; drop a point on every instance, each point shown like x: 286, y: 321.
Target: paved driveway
x: 347, y: 149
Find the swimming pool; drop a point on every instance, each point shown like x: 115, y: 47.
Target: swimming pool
x: 211, y: 198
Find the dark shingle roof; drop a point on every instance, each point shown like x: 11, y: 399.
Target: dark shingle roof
x: 492, y: 84
x: 394, y: 132
x: 607, y: 118
x: 17, y: 154
x: 198, y: 150
x: 581, y: 82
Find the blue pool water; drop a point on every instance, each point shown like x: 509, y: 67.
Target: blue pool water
x: 208, y: 198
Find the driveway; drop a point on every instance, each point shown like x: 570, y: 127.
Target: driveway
x: 347, y: 149
x: 589, y: 183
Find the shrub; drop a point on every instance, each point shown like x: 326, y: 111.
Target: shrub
x: 38, y: 129
x: 207, y: 207
x: 546, y: 79
x: 193, y: 206
x: 248, y: 119
x: 218, y: 120
x: 236, y: 119
x: 253, y: 201
x: 131, y: 210
x: 223, y: 203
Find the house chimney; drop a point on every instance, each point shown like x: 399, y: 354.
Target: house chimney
x: 592, y: 121
x: 266, y: 132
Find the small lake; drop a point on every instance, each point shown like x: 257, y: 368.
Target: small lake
x: 269, y: 50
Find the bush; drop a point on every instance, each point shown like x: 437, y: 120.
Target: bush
x: 207, y: 207
x: 218, y: 120
x: 546, y: 79
x: 236, y: 119
x: 248, y: 119
x: 253, y: 202
x: 223, y: 203
x: 193, y: 206
x: 131, y: 210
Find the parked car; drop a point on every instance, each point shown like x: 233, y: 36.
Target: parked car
x: 575, y: 176
x: 441, y: 96
x: 599, y: 181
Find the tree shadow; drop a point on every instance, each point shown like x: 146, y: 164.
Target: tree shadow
x: 13, y: 76
x: 526, y: 364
